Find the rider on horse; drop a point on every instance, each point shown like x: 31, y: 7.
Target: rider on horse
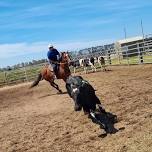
x: 54, y: 58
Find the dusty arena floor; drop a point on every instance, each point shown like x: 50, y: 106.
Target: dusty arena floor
x: 39, y: 120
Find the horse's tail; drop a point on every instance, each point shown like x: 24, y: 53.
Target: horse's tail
x: 36, y: 82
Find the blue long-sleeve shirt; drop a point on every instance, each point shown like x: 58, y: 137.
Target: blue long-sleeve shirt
x: 52, y: 54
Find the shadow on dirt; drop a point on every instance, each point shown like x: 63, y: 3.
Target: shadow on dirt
x: 106, y: 122
x: 53, y: 94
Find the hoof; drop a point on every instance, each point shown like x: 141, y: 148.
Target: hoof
x: 86, y: 113
x: 77, y: 108
x: 60, y: 92
x: 103, y: 135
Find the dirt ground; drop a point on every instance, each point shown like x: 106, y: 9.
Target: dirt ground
x: 39, y: 120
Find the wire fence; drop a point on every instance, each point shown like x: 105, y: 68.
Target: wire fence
x: 138, y: 53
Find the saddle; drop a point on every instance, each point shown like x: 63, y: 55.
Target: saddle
x: 54, y: 70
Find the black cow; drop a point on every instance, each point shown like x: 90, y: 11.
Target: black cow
x: 92, y: 60
x: 83, y: 94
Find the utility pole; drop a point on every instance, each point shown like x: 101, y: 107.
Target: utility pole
x: 143, y: 36
x: 142, y: 30
x: 125, y: 32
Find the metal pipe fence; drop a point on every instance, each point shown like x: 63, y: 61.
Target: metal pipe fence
x: 127, y: 55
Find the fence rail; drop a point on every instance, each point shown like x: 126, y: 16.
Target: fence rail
x: 140, y: 53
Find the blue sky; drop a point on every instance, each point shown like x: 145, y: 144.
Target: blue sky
x: 26, y: 27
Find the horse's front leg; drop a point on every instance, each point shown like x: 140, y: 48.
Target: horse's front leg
x: 54, y: 85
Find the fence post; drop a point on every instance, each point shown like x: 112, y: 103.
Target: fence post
x: 127, y: 55
x: 109, y: 58
x: 118, y: 58
x: 5, y: 77
x: 25, y: 74
x: 140, y: 57
x: 119, y: 55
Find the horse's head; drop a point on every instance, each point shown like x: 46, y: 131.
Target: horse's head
x: 65, y: 58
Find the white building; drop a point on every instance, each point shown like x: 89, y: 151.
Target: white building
x: 128, y: 46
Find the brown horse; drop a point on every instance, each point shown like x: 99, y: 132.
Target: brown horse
x: 48, y: 75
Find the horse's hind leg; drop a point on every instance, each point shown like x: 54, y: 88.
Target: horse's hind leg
x: 54, y: 85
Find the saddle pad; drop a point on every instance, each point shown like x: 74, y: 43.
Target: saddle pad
x: 50, y: 67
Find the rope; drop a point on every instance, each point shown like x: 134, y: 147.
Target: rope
x: 57, y: 62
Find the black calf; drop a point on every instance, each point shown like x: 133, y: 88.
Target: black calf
x: 82, y: 93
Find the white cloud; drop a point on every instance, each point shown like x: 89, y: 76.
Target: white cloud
x: 17, y: 49
x: 21, y: 49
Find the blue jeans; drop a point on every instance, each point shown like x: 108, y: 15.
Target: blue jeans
x: 54, y: 66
